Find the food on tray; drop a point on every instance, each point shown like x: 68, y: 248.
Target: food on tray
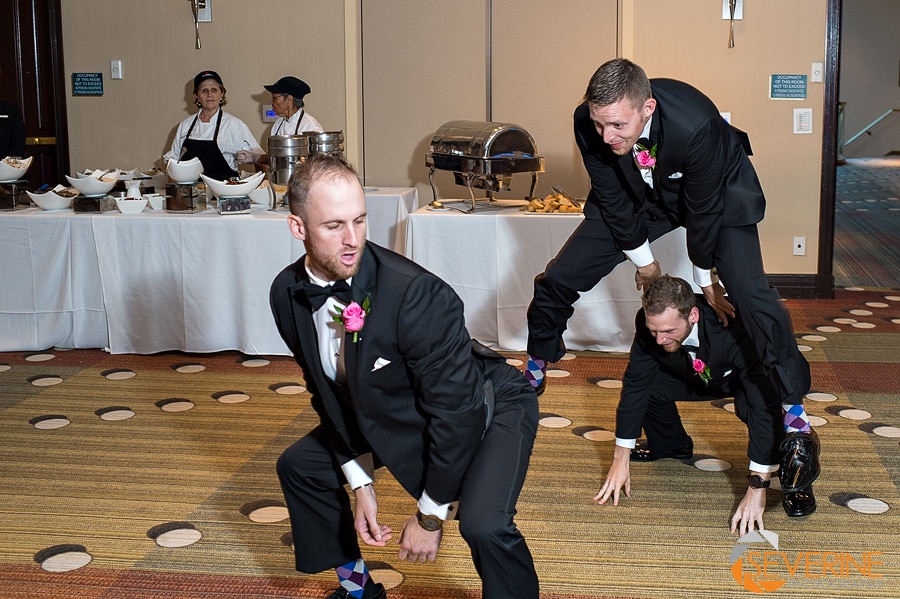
x: 552, y: 203
x: 66, y: 192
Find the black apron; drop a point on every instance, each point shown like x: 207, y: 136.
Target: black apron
x: 214, y: 164
x: 296, y: 129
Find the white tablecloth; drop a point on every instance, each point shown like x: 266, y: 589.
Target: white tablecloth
x: 156, y: 281
x: 491, y: 257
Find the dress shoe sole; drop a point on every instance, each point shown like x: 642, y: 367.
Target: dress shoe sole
x: 642, y: 455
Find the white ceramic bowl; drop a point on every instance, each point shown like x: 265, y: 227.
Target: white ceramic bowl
x: 155, y: 200
x: 92, y: 186
x: 184, y: 171
x: 13, y: 169
x: 260, y: 195
x: 131, y: 205
x: 221, y: 189
x: 49, y: 200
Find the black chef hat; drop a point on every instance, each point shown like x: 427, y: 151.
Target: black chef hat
x: 203, y: 75
x: 289, y: 85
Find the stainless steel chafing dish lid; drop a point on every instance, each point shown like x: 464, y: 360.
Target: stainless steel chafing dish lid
x: 483, y: 148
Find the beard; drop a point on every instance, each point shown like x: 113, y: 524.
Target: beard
x: 331, y: 266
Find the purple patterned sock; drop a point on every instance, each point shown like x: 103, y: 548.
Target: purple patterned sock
x: 353, y: 576
x: 535, y: 371
x: 795, y: 418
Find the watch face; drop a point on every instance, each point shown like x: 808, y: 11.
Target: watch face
x: 430, y: 523
x: 758, y: 483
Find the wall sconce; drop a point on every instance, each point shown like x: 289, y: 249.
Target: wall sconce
x: 202, y: 13
x: 732, y: 10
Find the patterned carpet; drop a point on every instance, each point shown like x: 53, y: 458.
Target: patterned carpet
x: 153, y: 477
x: 867, y: 223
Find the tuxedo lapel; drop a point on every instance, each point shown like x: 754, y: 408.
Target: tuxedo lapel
x: 362, y: 287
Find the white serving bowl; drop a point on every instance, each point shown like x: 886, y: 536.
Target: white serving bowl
x: 261, y: 195
x: 49, y: 200
x: 131, y: 205
x: 184, y: 171
x: 221, y: 189
x: 8, y: 172
x: 92, y: 186
x: 155, y: 200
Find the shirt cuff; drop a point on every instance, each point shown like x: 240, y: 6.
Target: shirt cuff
x: 754, y: 467
x: 705, y: 277
x: 640, y: 256
x: 445, y: 511
x: 359, y: 472
x: 628, y: 443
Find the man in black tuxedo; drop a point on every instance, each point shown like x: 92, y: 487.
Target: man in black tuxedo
x: 682, y: 352
x: 396, y: 382
x: 660, y: 156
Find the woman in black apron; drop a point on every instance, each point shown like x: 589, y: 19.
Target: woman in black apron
x: 209, y: 95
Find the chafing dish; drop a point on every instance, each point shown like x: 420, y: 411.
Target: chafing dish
x: 483, y: 155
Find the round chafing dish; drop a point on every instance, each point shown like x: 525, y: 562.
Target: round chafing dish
x: 325, y: 142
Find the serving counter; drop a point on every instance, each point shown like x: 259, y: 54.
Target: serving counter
x: 490, y: 258
x: 156, y: 281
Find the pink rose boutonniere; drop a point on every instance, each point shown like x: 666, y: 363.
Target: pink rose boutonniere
x: 645, y: 157
x: 702, y: 370
x: 353, y: 317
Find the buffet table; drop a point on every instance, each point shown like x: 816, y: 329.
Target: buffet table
x: 490, y: 258
x: 156, y: 281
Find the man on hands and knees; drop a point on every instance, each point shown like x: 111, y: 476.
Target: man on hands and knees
x: 396, y: 382
x: 681, y: 352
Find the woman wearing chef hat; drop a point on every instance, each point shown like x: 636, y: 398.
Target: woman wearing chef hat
x: 287, y: 102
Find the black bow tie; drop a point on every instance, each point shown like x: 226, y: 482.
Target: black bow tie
x: 692, y: 348
x: 644, y: 143
x: 316, y: 294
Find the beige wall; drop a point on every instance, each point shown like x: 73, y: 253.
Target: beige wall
x: 249, y: 44
x: 390, y: 72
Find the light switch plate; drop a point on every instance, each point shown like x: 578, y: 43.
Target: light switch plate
x: 115, y: 69
x: 726, y: 11
x: 817, y: 72
x: 802, y: 121
x: 204, y: 15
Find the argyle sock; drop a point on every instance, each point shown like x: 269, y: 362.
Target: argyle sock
x: 535, y: 371
x: 353, y: 576
x: 795, y: 418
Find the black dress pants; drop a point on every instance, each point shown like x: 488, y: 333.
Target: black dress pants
x: 590, y: 254
x: 322, y: 519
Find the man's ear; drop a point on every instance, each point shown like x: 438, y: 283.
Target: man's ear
x: 649, y: 107
x: 297, y: 226
x: 694, y: 316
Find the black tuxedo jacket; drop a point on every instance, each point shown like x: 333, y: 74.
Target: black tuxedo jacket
x: 416, y: 380
x: 702, y: 180
x: 735, y: 370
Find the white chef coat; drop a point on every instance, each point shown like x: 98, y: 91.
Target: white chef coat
x: 234, y: 135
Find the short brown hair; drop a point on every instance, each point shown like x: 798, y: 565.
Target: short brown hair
x: 314, y: 169
x: 668, y: 292
x: 617, y: 79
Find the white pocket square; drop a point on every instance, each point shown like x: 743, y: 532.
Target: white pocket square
x: 380, y: 363
x: 676, y: 175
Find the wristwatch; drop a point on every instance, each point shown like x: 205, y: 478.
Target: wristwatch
x: 757, y: 482
x: 429, y: 522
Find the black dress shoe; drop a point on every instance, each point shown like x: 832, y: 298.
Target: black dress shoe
x: 799, y: 460
x: 799, y: 503
x: 641, y: 453
x: 375, y: 591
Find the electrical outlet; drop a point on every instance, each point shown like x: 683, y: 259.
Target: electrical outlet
x: 799, y: 246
